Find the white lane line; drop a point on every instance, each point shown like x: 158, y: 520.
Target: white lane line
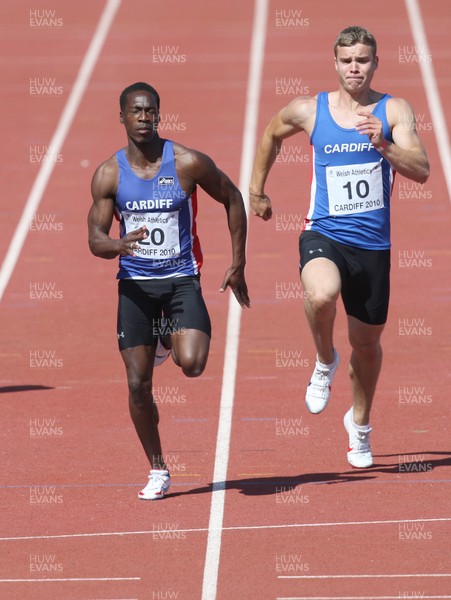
x: 57, y: 141
x: 378, y: 576
x: 211, y: 566
x: 236, y: 528
x: 59, y: 580
x: 430, y: 87
x: 422, y: 596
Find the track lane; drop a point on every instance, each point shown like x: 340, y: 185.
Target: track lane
x: 92, y: 486
x: 287, y: 465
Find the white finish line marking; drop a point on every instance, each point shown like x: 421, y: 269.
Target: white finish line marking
x: 357, y: 597
x: 237, y: 528
x: 379, y: 576
x: 59, y: 580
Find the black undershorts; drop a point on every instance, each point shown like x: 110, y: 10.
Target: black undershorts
x: 142, y: 302
x: 365, y: 275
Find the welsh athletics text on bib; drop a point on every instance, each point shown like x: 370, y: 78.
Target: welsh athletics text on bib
x: 355, y: 188
x: 162, y: 240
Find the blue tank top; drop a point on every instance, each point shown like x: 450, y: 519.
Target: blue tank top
x: 351, y: 182
x: 172, y: 247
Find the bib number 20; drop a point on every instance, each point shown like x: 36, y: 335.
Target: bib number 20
x: 162, y: 239
x: 156, y: 237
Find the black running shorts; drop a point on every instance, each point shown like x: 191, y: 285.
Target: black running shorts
x: 142, y: 302
x: 365, y: 275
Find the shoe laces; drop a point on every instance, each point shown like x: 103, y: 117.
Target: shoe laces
x: 321, y: 377
x: 362, y: 439
x: 155, y: 479
x: 153, y: 484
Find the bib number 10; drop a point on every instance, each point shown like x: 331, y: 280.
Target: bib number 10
x: 354, y: 189
x: 362, y: 189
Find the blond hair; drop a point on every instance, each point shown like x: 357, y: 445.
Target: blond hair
x: 355, y: 35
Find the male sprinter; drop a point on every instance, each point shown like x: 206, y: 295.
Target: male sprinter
x: 150, y: 186
x: 360, y: 138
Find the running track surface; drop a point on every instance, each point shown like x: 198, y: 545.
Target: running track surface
x: 297, y: 522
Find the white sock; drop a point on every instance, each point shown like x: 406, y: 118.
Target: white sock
x: 329, y: 366
x: 361, y: 428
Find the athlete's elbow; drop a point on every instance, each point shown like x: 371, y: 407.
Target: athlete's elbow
x: 423, y: 174
x: 427, y: 171
x: 97, y: 250
x: 234, y: 201
x: 93, y: 247
x: 420, y: 174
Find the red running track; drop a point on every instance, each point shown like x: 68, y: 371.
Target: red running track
x: 298, y: 523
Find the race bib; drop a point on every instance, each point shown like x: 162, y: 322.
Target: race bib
x: 355, y: 189
x: 163, y: 239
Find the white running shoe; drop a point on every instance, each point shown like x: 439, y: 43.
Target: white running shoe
x: 162, y: 352
x: 159, y: 482
x: 359, y: 451
x: 318, y: 390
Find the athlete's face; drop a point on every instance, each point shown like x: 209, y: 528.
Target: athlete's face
x: 140, y: 116
x: 355, y: 66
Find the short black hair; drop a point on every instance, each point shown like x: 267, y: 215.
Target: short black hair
x: 139, y: 86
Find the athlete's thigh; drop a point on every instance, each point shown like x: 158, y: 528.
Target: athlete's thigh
x: 185, y: 308
x: 188, y: 322
x: 321, y: 265
x: 366, y: 290
x: 139, y: 312
x: 190, y: 347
